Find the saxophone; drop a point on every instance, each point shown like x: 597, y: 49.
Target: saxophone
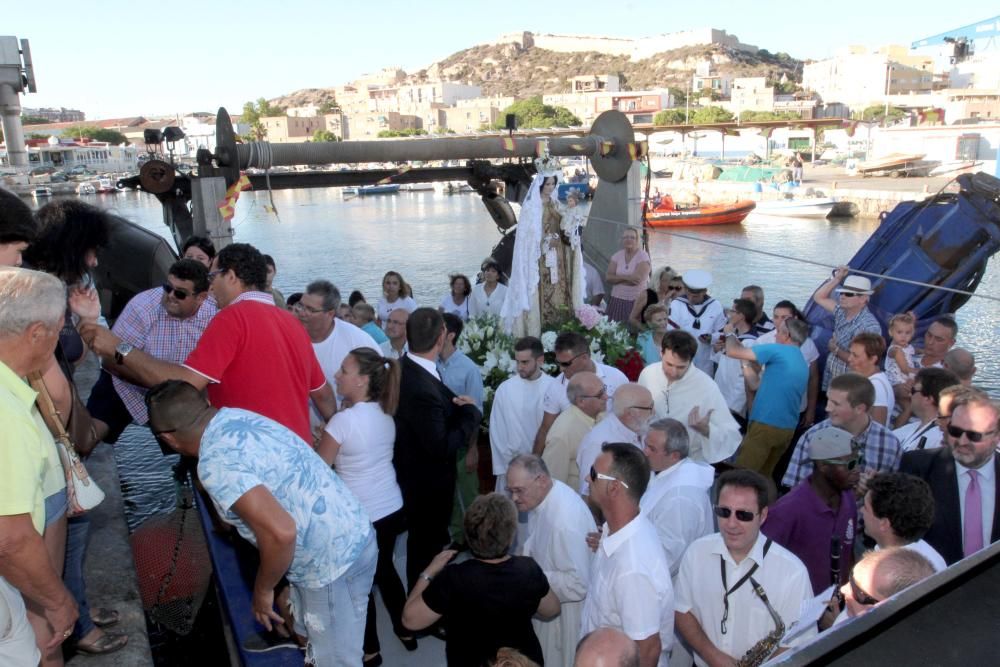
x: 762, y: 650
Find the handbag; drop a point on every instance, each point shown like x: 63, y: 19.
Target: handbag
x: 82, y: 491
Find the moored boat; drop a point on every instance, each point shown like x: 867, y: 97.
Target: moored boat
x: 806, y: 207
x: 666, y: 215
x: 106, y: 186
x: 86, y: 189
x: 41, y: 191
x: 367, y: 190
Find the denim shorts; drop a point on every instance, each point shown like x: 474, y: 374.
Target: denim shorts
x: 56, y: 506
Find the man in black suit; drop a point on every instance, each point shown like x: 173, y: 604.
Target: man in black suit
x: 963, y: 477
x: 431, y: 424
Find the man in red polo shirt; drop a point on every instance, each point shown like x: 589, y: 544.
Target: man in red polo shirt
x: 252, y: 355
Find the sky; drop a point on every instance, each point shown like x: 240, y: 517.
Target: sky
x: 118, y: 59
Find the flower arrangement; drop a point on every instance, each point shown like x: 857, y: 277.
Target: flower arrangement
x: 492, y: 349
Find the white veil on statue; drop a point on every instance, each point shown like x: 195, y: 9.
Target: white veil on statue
x: 520, y: 314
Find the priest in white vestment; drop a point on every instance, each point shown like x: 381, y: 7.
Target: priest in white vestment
x: 517, y: 407
x: 687, y: 394
x: 558, y: 524
x: 677, y: 501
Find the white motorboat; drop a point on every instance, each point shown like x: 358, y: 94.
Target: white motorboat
x: 86, y: 189
x: 40, y: 192
x: 806, y: 207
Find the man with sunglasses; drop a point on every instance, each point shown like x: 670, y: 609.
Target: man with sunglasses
x: 630, y: 588
x: 166, y: 322
x: 963, y: 479
x: 925, y: 395
x: 572, y: 356
x: 851, y: 316
x: 720, y: 612
x: 878, y: 576
x: 817, y: 520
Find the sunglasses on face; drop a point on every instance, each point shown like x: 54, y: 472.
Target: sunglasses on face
x: 179, y: 294
x: 973, y: 436
x: 849, y: 294
x: 746, y: 516
x: 860, y: 596
x: 594, y: 476
x: 567, y: 364
x: 916, y: 390
x: 850, y: 464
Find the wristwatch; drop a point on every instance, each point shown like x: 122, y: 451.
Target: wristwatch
x: 426, y: 577
x: 121, y: 351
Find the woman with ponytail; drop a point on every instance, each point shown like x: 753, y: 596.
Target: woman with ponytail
x: 358, y: 443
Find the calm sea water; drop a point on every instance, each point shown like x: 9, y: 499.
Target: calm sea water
x: 425, y: 236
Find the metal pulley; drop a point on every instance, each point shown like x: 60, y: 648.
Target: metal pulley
x: 156, y: 176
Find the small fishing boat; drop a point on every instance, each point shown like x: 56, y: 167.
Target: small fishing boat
x: 805, y: 207
x: 368, y: 190
x: 451, y: 187
x: 667, y: 215
x: 41, y: 192
x: 105, y: 186
x: 86, y: 189
x: 416, y: 187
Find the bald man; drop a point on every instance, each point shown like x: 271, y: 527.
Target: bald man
x: 607, y: 647
x: 631, y: 413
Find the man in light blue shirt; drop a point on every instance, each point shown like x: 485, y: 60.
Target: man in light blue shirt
x: 462, y: 376
x: 272, y: 487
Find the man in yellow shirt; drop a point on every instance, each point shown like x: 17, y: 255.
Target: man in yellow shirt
x: 31, y: 315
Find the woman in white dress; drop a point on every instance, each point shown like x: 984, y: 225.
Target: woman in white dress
x: 358, y: 443
x: 456, y: 301
x: 396, y: 293
x: 488, y: 296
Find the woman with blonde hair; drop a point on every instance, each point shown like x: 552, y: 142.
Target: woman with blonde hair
x: 664, y: 285
x: 396, y: 293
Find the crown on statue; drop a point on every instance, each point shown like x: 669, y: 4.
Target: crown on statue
x: 547, y: 166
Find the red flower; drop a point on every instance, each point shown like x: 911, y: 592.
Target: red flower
x: 631, y: 365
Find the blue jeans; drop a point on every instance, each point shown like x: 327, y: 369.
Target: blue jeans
x: 334, y: 616
x: 77, y: 530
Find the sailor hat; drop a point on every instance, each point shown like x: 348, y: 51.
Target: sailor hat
x: 697, y: 279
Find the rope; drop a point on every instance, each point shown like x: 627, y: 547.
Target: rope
x: 261, y: 156
x: 689, y: 237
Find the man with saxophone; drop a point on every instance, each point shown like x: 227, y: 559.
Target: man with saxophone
x: 737, y: 591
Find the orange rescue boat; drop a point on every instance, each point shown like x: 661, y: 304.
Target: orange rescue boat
x: 667, y: 215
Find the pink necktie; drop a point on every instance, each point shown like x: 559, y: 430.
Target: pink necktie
x: 973, y: 515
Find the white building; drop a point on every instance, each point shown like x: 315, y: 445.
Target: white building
x: 860, y: 79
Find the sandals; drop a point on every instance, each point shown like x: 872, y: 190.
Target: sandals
x: 103, y: 617
x: 107, y: 643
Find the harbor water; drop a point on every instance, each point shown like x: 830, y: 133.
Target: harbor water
x: 425, y: 236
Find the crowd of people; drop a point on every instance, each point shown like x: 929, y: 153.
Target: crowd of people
x: 684, y: 517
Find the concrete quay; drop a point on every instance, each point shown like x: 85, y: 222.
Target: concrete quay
x: 109, y: 569
x: 872, y: 195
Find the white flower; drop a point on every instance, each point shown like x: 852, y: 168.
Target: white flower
x: 491, y: 361
x: 597, y: 356
x: 549, y: 341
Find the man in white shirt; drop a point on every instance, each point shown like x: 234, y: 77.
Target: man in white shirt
x: 677, y: 501
x: 728, y: 370
x: 721, y: 613
x: 923, y: 431
x: 517, y: 407
x: 688, y: 395
x: 331, y: 338
x: 573, y: 356
x: 558, y: 523
x: 698, y: 314
x: 630, y: 586
x: 898, y: 511
x: 395, y: 329
x: 587, y: 401
x: 633, y: 408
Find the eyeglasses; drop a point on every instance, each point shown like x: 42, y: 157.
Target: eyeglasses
x: 601, y: 394
x: 647, y: 408
x: 973, y: 436
x: 299, y: 307
x: 675, y: 288
x: 849, y: 294
x: 212, y: 275
x: 916, y: 390
x: 179, y: 293
x: 567, y: 364
x: 746, y: 516
x: 850, y: 464
x: 594, y: 476
x: 859, y: 594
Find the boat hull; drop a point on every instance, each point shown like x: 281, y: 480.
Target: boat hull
x: 798, y: 208
x: 722, y: 214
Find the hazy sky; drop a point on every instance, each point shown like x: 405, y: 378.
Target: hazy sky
x: 143, y: 58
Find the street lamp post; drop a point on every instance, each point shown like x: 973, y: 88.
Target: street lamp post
x: 888, y: 82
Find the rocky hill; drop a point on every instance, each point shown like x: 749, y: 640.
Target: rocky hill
x: 512, y: 70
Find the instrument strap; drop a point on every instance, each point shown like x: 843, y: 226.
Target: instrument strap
x: 746, y: 577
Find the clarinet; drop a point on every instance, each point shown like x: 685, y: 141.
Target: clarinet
x: 762, y: 650
x: 835, y: 550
